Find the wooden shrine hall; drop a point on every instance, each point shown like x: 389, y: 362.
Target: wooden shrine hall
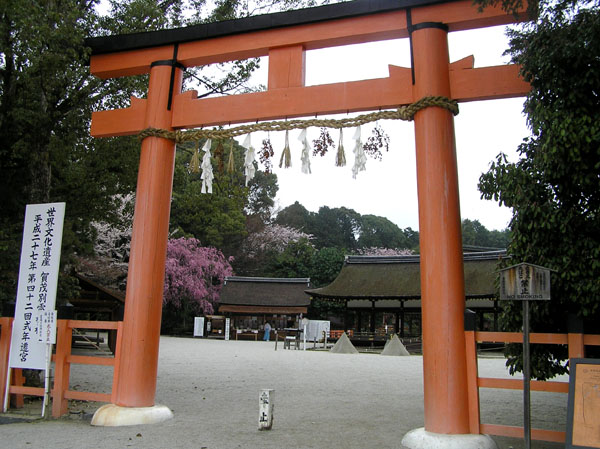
x: 382, y: 294
x: 252, y: 301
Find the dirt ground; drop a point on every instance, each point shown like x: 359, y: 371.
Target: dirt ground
x: 322, y: 400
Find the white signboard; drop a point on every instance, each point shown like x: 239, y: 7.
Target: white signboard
x: 36, y: 290
x: 227, y: 328
x: 46, y: 327
x: 199, y: 326
x: 315, y: 329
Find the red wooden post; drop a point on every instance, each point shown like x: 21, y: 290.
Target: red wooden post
x: 442, y: 277
x: 64, y: 336
x: 575, y: 337
x: 138, y: 355
x: 17, y: 400
x: 472, y: 372
x: 116, y: 365
x: 5, y: 335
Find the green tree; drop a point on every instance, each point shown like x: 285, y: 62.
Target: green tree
x: 412, y: 239
x: 326, y: 265
x: 218, y: 219
x: 381, y: 233
x: 475, y: 234
x: 296, y: 261
x: 554, y: 188
x: 261, y: 193
x: 46, y: 98
x: 335, y: 227
x: 295, y: 216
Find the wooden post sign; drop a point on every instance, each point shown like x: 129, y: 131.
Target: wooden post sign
x: 525, y: 282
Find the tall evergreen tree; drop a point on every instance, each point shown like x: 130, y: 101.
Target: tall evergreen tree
x: 554, y: 188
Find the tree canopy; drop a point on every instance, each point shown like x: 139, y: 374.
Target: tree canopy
x: 475, y: 234
x: 347, y: 229
x: 46, y: 98
x: 554, y: 187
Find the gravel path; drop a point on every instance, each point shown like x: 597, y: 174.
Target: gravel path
x: 322, y: 400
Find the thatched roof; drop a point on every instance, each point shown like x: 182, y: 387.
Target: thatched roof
x: 259, y: 292
x: 399, y: 277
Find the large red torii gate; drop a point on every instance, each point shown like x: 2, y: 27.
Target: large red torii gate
x: 284, y: 38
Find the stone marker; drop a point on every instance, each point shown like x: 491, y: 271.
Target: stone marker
x: 265, y: 409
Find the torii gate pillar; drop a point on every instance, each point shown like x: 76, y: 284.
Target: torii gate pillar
x: 442, y: 275
x: 137, y: 357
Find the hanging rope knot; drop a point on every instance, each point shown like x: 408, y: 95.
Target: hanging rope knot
x: 405, y: 113
x: 432, y: 101
x: 155, y: 132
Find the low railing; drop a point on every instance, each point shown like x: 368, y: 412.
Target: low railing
x: 63, y: 359
x: 576, y: 349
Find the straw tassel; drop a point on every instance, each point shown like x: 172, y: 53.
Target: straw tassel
x: 286, y: 156
x: 219, y: 156
x: 231, y: 159
x: 340, y: 158
x: 194, y: 166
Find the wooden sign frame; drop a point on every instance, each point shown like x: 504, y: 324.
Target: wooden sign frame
x: 583, y: 432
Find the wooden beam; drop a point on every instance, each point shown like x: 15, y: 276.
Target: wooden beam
x: 128, y: 63
x: 119, y: 122
x: 352, y: 96
x: 291, y: 102
x: 517, y: 432
x: 287, y: 67
x: 487, y: 83
x: 458, y: 16
x: 382, y: 93
x: 517, y: 384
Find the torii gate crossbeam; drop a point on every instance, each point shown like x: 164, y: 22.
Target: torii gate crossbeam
x: 285, y: 37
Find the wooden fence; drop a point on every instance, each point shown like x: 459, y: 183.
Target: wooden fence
x: 576, y: 343
x: 63, y: 359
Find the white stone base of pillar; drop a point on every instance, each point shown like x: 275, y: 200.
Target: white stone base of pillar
x: 111, y: 415
x: 421, y: 439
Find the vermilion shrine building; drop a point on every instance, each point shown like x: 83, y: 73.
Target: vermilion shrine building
x: 284, y: 38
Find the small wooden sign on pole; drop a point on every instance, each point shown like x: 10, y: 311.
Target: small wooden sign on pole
x: 525, y: 282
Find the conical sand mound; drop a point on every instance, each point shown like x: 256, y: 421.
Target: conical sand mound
x: 344, y: 346
x: 394, y: 347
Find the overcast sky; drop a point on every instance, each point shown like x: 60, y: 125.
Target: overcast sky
x: 388, y: 188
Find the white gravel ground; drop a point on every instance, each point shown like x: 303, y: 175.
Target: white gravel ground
x: 322, y: 400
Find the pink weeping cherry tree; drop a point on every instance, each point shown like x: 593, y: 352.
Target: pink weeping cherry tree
x: 194, y: 275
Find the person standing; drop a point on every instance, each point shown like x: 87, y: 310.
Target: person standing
x: 267, y: 331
